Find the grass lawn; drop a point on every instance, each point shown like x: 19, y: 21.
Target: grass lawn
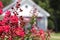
x: 55, y: 36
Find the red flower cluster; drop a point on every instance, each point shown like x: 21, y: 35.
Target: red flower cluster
x: 1, y: 11
x: 1, y: 6
x: 1, y: 29
x: 19, y: 31
x: 2, y: 23
x: 5, y: 19
x: 6, y: 28
x: 42, y: 34
x: 8, y: 13
x: 41, y: 31
x: 33, y: 30
x: 14, y: 19
x: 9, y: 25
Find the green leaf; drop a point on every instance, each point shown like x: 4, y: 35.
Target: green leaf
x: 30, y: 38
x: 25, y: 38
x: 5, y: 38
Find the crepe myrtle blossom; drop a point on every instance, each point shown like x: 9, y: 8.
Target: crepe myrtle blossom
x: 5, y: 19
x: 19, y: 31
x: 21, y: 18
x: 1, y: 29
x: 1, y: 33
x: 1, y: 4
x: 22, y: 21
x: 2, y: 23
x: 15, y: 13
x: 33, y: 30
x: 10, y: 37
x: 6, y: 28
x: 8, y: 13
x: 14, y: 19
x: 42, y: 34
x: 17, y: 5
x: 1, y: 11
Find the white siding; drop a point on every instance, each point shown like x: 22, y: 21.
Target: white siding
x: 46, y: 23
x: 42, y: 23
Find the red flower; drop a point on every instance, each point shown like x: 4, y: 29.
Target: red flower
x: 41, y: 32
x: 6, y: 28
x: 5, y: 19
x: 1, y: 29
x: 20, y: 32
x: 14, y: 19
x: 17, y: 5
x: 1, y: 11
x: 8, y: 13
x: 33, y: 30
x: 10, y: 38
x: 1, y: 4
x: 2, y: 23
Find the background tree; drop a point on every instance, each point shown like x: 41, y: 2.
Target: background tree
x: 6, y: 2
x: 55, y: 4
x: 45, y: 4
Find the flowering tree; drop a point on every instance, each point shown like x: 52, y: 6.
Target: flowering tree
x: 12, y: 26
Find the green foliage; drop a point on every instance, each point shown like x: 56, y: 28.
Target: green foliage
x: 17, y: 38
x: 50, y: 24
x: 6, y: 2
x: 55, y: 4
x: 1, y: 17
x: 28, y: 38
x: 33, y: 19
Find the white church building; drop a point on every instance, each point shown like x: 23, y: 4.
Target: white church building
x: 27, y: 5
